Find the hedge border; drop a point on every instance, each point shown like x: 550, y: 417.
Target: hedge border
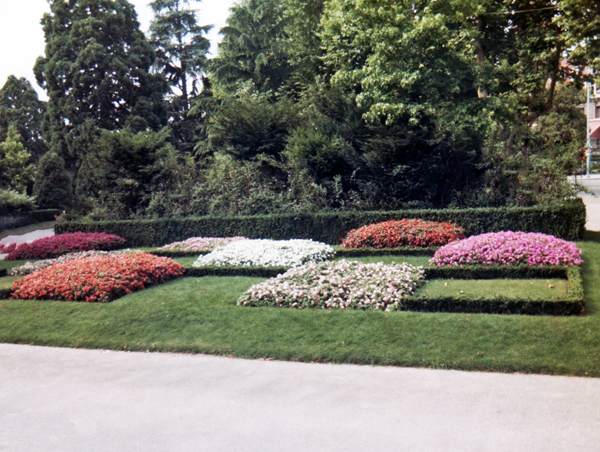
x: 573, y: 304
x: 566, y: 221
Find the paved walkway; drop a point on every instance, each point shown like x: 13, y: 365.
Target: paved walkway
x: 69, y: 400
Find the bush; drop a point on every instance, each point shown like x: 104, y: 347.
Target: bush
x: 57, y: 245
x: 508, y: 248
x: 53, y: 187
x: 98, y: 279
x: 341, y: 285
x: 12, y: 201
x: 406, y: 232
x: 566, y: 221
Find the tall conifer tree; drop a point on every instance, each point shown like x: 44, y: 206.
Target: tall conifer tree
x: 96, y: 66
x: 181, y: 49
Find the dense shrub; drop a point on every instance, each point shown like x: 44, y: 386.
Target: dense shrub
x: 508, y: 248
x: 341, y: 285
x: 267, y: 253
x: 13, y: 201
x: 57, y: 245
x: 566, y: 221
x: 98, y: 279
x: 53, y: 188
x: 406, y: 232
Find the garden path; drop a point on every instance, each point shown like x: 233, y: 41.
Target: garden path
x: 73, y: 400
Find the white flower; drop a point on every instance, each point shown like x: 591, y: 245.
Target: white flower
x: 267, y: 253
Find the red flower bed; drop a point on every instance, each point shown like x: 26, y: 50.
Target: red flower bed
x: 57, y: 245
x: 406, y: 232
x: 100, y: 278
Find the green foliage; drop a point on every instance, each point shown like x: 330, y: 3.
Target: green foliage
x: 16, y: 171
x: 96, y: 67
x: 181, y: 52
x: 233, y: 187
x: 254, y: 46
x: 125, y: 169
x: 52, y: 188
x: 13, y: 201
x: 20, y: 106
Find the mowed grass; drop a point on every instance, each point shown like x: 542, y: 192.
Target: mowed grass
x: 523, y: 289
x: 200, y: 315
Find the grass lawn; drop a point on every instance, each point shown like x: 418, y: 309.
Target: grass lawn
x: 200, y: 315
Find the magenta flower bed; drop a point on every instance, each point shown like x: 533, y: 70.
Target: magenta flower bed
x: 508, y: 248
x: 57, y: 245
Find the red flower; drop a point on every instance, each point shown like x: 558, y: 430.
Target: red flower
x: 100, y: 278
x: 405, y: 232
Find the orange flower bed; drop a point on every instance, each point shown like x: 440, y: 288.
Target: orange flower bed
x: 97, y: 279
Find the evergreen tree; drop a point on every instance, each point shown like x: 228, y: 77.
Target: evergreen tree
x: 16, y: 170
x: 96, y: 66
x: 52, y: 187
x: 181, y: 52
x: 255, y: 46
x: 20, y: 106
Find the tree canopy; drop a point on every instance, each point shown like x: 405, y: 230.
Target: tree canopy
x: 97, y: 66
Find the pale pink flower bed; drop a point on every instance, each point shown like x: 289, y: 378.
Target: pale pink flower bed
x: 201, y: 243
x: 508, y: 248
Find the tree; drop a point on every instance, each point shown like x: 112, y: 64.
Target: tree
x: 16, y: 169
x: 20, y: 106
x: 181, y: 52
x: 128, y: 169
x: 456, y: 70
x: 96, y: 66
x: 52, y: 187
x: 254, y: 47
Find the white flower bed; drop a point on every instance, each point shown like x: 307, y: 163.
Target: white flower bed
x: 267, y: 253
x: 341, y: 285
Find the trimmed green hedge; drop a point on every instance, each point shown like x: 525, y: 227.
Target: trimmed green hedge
x: 567, y: 222
x: 19, y: 219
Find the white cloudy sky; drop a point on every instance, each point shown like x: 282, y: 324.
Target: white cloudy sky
x: 22, y: 38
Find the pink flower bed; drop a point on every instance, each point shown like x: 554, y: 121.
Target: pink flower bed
x: 508, y: 248
x: 57, y: 245
x: 99, y: 278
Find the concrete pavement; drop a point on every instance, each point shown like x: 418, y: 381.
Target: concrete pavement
x: 70, y: 400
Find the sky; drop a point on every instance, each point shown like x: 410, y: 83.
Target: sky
x: 22, y: 37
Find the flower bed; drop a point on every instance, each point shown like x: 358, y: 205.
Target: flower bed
x: 99, y: 278
x: 30, y: 267
x: 200, y: 243
x: 406, y: 232
x: 57, y: 245
x: 508, y: 248
x: 267, y: 253
x: 342, y: 285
